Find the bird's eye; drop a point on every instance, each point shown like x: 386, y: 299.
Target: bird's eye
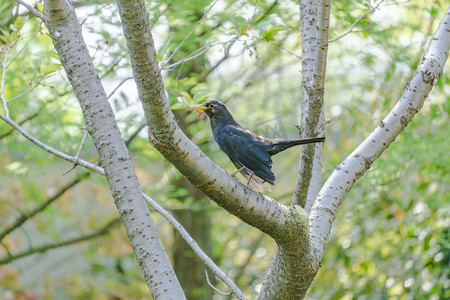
x: 211, y: 105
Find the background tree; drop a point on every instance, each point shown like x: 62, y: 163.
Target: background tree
x: 253, y: 67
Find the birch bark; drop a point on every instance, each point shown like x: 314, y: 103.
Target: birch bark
x: 315, y: 17
x: 65, y: 31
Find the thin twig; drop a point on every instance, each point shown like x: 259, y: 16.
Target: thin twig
x: 119, y: 85
x: 190, y: 33
x: 24, y: 46
x: 6, y: 249
x: 186, y: 59
x: 197, y: 53
x: 267, y: 12
x: 5, y: 103
x: 30, y: 117
x: 83, y: 141
x: 33, y: 10
x: 292, y: 53
x: 20, y: 123
x: 211, y: 285
x: 357, y: 21
x: 50, y: 150
x: 82, y: 22
x: 22, y: 94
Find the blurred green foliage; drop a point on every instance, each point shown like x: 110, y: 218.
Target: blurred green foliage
x: 390, y: 239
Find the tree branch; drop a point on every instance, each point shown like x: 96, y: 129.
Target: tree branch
x: 359, y: 161
x: 30, y: 117
x: 32, y: 10
x: 66, y: 34
x: 51, y: 150
x: 20, y: 51
x: 314, y: 53
x: 315, y: 120
x: 2, y: 92
x: 376, y: 5
x: 118, y: 86
x: 197, y: 53
x: 83, y: 141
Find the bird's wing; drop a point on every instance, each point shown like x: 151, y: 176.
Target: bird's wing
x: 245, y: 149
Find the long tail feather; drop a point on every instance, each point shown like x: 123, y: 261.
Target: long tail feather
x: 282, y: 145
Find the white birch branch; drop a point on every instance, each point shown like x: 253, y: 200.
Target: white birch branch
x: 33, y: 10
x: 65, y: 30
x: 359, y: 161
x: 2, y: 91
x: 49, y: 149
x: 315, y: 17
x: 320, y: 64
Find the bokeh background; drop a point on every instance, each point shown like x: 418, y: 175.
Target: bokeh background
x: 390, y: 239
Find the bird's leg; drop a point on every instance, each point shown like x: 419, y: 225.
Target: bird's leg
x: 251, y: 175
x: 234, y: 174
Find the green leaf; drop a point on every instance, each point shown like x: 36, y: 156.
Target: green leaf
x: 267, y: 36
x: 186, y: 96
x: 201, y: 96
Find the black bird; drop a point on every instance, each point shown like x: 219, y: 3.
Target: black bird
x: 250, y: 153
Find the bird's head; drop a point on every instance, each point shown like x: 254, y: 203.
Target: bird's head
x: 214, y: 109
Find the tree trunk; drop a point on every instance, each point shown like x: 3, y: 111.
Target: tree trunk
x: 65, y: 31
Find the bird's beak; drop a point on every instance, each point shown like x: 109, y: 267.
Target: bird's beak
x: 201, y: 107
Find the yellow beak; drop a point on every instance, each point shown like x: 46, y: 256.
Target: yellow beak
x: 201, y: 107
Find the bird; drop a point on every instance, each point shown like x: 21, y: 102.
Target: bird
x: 250, y: 153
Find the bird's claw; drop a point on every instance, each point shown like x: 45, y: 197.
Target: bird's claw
x: 251, y: 175
x: 234, y: 174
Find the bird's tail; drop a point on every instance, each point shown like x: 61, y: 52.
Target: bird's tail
x: 282, y: 145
